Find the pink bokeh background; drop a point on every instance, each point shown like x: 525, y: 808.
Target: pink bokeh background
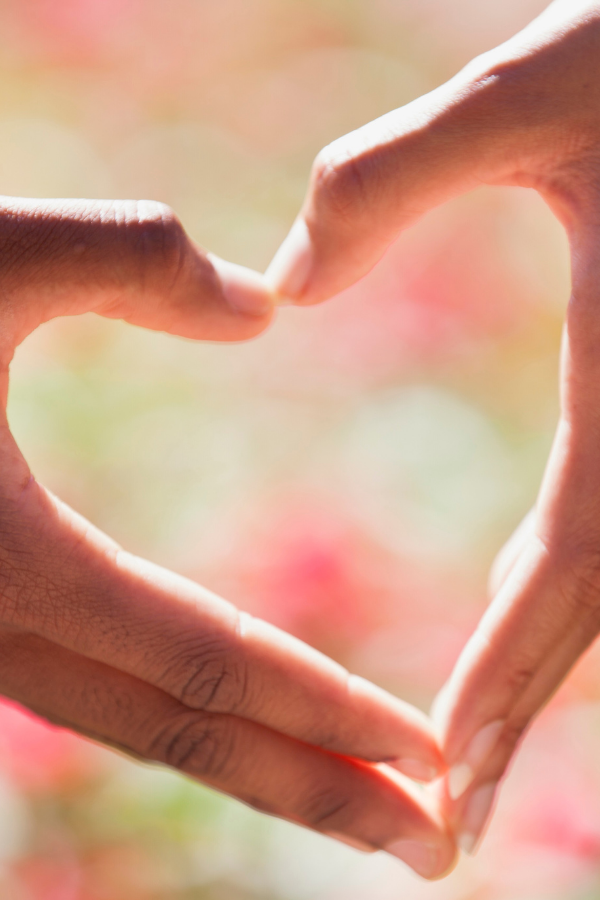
x: 349, y: 476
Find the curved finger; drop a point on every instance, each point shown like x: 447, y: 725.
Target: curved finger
x: 501, y: 120
x: 534, y: 631
x: 369, y: 186
x: 273, y: 773
x: 69, y: 583
x: 523, y: 628
x: 122, y: 259
x: 547, y: 610
x: 470, y: 813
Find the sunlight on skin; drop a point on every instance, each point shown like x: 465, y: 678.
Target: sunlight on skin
x: 146, y: 660
x: 523, y: 114
x: 229, y: 437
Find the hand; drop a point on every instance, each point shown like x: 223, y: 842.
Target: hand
x: 527, y: 113
x: 140, y: 658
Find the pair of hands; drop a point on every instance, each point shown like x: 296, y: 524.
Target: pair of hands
x: 142, y: 659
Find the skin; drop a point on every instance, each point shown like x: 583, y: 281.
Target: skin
x: 528, y: 114
x: 140, y: 658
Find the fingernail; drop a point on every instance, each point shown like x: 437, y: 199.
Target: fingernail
x: 459, y: 779
x: 438, y: 707
x: 422, y: 857
x: 355, y: 843
x: 475, y: 817
x: 244, y: 290
x: 416, y: 769
x: 462, y: 774
x: 289, y: 270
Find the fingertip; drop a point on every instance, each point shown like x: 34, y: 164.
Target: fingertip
x: 420, y: 835
x: 411, y: 745
x: 417, y: 769
x: 289, y: 271
x: 245, y: 291
x: 449, y: 862
x: 431, y: 861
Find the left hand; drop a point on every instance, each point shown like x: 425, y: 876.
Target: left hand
x: 137, y: 657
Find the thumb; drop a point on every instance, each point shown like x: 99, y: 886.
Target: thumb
x: 367, y: 187
x: 507, y: 118
x: 121, y: 259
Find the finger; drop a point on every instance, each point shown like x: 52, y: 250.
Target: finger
x: 545, y: 614
x: 121, y: 259
x: 370, y: 185
x: 271, y: 772
x: 470, y: 813
x: 508, y: 555
x: 550, y: 599
x: 502, y: 120
x: 521, y: 629
x: 67, y: 582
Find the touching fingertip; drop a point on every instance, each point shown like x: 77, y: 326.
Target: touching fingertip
x: 416, y: 769
x: 290, y: 269
x: 424, y: 858
x: 244, y: 290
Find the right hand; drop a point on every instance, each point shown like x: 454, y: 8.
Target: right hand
x: 139, y: 658
x: 526, y: 113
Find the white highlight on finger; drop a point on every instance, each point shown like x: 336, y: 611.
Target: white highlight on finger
x: 475, y: 817
x: 290, y: 268
x: 463, y: 773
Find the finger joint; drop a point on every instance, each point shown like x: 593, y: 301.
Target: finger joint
x: 200, y: 745
x: 211, y: 676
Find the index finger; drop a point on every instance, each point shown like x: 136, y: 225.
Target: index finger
x: 501, y: 120
x: 168, y: 631
x: 362, y: 805
x: 547, y: 609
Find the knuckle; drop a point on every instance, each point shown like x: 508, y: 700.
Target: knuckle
x: 520, y: 677
x: 325, y: 806
x: 212, y: 677
x: 108, y: 701
x: 203, y: 746
x: 504, y: 79
x: 512, y: 733
x: 339, y: 181
x: 157, y: 236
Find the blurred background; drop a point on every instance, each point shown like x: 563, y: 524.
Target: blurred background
x: 349, y: 476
